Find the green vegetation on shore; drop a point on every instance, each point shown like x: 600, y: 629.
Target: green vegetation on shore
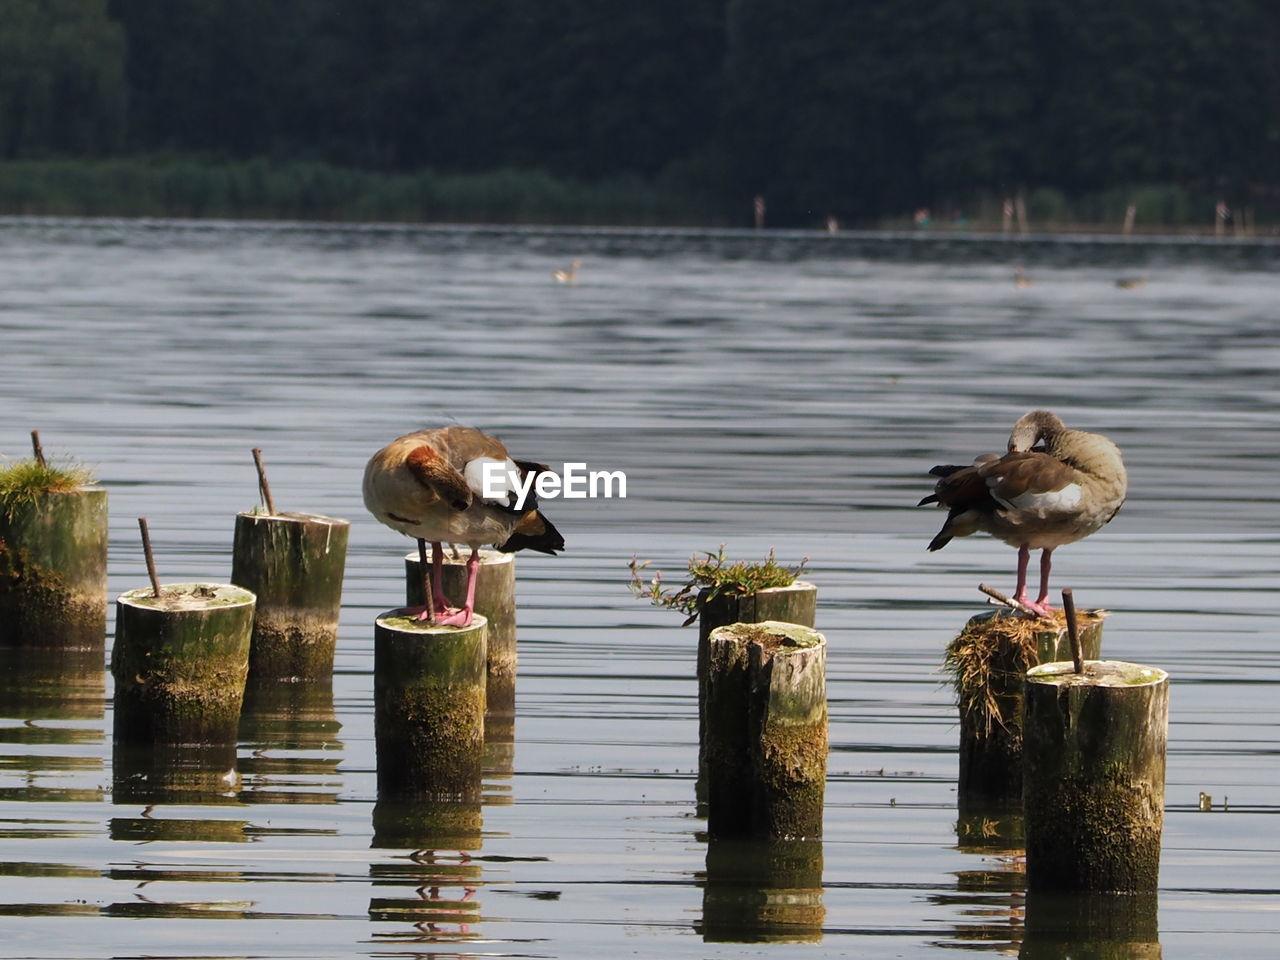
x: 668, y: 111
x: 265, y: 190
x: 258, y: 189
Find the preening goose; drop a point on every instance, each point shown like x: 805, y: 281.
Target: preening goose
x: 1054, y: 486
x: 431, y: 485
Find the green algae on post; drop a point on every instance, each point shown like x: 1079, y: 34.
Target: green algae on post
x: 180, y: 661
x: 765, y: 736
x: 987, y: 661
x: 53, y: 557
x: 428, y: 701
x: 1094, y: 767
x: 294, y: 563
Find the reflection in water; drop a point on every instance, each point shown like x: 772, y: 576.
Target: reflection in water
x: 497, y: 765
x: 173, y: 773
x: 1091, y: 927
x: 439, y: 872
x: 289, y: 743
x: 762, y: 891
x: 52, y: 684
x: 988, y: 902
x: 43, y: 688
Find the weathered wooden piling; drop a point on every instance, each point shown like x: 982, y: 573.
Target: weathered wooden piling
x: 988, y: 660
x: 53, y: 569
x: 495, y: 601
x: 429, y: 699
x: 762, y: 891
x: 796, y: 603
x: 294, y: 563
x: 765, y: 738
x: 180, y: 661
x: 1093, y: 763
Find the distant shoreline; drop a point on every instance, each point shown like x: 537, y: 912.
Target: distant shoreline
x: 263, y: 190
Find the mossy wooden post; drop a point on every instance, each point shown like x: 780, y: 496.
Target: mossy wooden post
x: 762, y: 891
x: 294, y: 564
x: 765, y: 741
x: 796, y: 603
x: 53, y: 569
x: 1003, y: 645
x: 428, y: 702
x: 180, y: 662
x: 1093, y: 761
x: 496, y: 602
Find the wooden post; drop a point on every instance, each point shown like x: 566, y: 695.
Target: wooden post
x: 797, y: 603
x: 294, y: 563
x: 428, y: 700
x: 496, y: 602
x: 762, y: 891
x: 1093, y: 763
x: 53, y: 570
x: 988, y: 660
x: 766, y: 731
x: 180, y: 662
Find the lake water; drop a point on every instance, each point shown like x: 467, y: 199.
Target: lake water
x: 783, y: 391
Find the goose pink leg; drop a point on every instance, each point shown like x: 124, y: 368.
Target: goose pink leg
x: 1020, y: 594
x: 461, y: 617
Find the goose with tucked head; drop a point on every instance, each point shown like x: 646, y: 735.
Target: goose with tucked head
x: 457, y: 484
x: 1054, y: 486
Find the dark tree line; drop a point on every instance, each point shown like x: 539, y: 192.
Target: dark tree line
x: 846, y: 107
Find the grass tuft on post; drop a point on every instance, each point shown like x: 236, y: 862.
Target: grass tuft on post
x: 53, y: 556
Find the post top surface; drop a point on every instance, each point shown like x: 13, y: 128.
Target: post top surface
x: 1097, y: 673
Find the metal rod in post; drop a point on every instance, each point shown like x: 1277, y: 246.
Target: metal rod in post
x: 36, y: 449
x: 263, y: 487
x: 146, y: 552
x: 1069, y: 607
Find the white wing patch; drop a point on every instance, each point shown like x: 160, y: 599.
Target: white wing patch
x: 496, y: 481
x: 1048, y: 502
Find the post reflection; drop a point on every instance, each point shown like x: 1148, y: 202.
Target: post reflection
x: 1091, y: 926
x: 762, y: 891
x: 436, y: 876
x: 50, y: 752
x: 989, y: 899
x: 289, y: 746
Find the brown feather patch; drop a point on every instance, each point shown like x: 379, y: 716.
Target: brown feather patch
x: 434, y: 472
x: 1017, y: 473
